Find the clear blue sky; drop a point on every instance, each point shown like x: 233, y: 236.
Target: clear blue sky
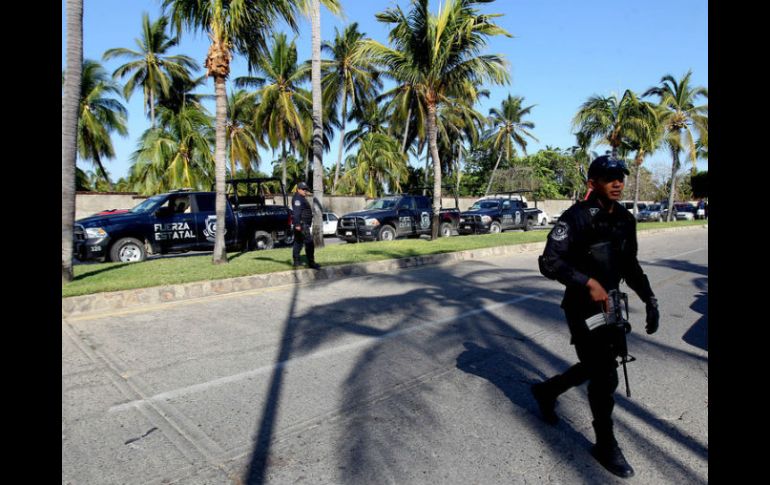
x: 562, y: 52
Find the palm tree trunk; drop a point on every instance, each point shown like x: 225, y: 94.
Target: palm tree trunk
x: 639, y: 158
x: 492, y: 177
x: 343, y: 115
x: 318, y: 168
x: 406, y: 129
x: 283, y: 164
x: 432, y: 141
x: 672, y: 187
x: 232, y: 158
x: 152, y: 108
x: 69, y: 136
x: 459, y: 165
x: 98, y: 162
x: 220, y: 251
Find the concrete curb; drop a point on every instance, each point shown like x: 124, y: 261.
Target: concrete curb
x: 102, y: 302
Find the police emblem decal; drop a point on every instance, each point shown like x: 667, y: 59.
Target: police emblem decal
x: 559, y: 232
x: 425, y: 220
x: 593, y: 211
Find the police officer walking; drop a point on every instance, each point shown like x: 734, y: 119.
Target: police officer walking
x: 303, y: 217
x: 590, y: 250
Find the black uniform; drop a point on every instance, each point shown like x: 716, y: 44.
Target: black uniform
x: 303, y: 216
x: 590, y: 242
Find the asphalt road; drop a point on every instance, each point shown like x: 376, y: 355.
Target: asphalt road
x: 413, y: 377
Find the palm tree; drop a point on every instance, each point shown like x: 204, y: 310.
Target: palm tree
x: 313, y: 8
x: 370, y: 118
x: 231, y: 25
x: 150, y: 68
x: 279, y: 114
x: 241, y: 132
x: 349, y: 76
x: 99, y: 116
x: 69, y: 134
x: 508, y: 129
x: 176, y: 153
x: 678, y: 99
x: 377, y: 163
x: 438, y: 55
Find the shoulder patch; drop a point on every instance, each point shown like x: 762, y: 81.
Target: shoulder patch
x: 593, y: 211
x: 559, y: 233
x: 297, y: 202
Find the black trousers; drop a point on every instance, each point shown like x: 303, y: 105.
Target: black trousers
x: 597, y: 365
x: 303, y: 237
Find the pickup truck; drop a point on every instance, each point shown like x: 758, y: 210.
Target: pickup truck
x: 183, y: 220
x: 395, y: 216
x: 496, y: 214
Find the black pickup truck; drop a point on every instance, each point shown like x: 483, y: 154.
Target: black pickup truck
x: 394, y: 216
x: 185, y: 220
x: 496, y: 214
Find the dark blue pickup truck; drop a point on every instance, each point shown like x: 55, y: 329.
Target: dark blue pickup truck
x: 388, y: 218
x: 181, y: 221
x: 496, y: 214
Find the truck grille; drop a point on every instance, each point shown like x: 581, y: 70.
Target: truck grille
x: 350, y: 222
x: 471, y: 218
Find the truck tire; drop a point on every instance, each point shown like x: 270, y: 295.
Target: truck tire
x: 495, y: 228
x: 262, y: 240
x: 387, y: 233
x: 445, y: 229
x: 127, y: 250
x: 530, y: 223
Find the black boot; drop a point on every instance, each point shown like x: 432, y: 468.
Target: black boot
x: 546, y: 401
x: 607, y: 452
x: 313, y: 265
x: 296, y: 264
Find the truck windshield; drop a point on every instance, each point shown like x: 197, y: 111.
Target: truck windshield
x: 149, y: 204
x: 485, y: 204
x: 382, y: 204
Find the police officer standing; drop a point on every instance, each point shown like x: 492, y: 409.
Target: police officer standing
x: 303, y: 217
x: 590, y: 250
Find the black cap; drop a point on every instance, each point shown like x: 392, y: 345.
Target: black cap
x: 303, y: 186
x: 606, y: 165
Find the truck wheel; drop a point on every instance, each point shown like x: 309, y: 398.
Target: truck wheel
x: 529, y: 224
x: 387, y: 233
x: 262, y: 240
x: 495, y: 228
x: 445, y: 229
x: 127, y: 250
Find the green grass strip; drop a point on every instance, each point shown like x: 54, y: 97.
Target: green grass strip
x: 97, y: 278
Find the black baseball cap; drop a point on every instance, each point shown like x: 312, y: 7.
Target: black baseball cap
x: 607, y: 166
x: 303, y: 186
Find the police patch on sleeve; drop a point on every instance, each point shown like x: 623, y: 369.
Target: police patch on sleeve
x: 559, y: 233
x: 296, y: 202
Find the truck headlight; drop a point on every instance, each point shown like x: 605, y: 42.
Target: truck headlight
x: 486, y: 219
x: 95, y: 233
x: 371, y: 222
x: 462, y: 219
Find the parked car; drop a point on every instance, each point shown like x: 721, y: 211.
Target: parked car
x: 652, y: 213
x: 685, y: 212
x: 496, y: 214
x: 390, y: 217
x: 542, y: 218
x: 330, y: 223
x: 183, y: 220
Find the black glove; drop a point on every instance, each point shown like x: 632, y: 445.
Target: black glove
x: 653, y: 316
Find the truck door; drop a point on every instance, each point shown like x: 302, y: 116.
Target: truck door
x: 406, y: 216
x: 174, y: 224
x: 206, y: 219
x: 507, y: 215
x: 423, y: 214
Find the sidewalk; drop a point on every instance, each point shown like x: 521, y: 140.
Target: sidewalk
x: 117, y: 300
